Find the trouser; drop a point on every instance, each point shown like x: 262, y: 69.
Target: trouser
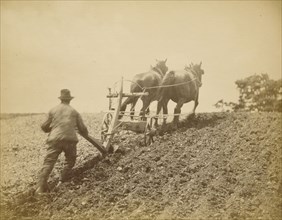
x: 53, y: 151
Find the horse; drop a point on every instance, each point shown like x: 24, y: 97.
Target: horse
x: 180, y: 86
x: 145, y: 82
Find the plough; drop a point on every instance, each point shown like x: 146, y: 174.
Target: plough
x: 111, y: 122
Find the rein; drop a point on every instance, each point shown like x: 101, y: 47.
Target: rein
x: 165, y: 86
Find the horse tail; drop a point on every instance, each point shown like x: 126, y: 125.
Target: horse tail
x: 168, y: 79
x: 136, y: 86
x: 124, y: 104
x: 129, y: 100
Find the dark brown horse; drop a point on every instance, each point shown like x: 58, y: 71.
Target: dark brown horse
x: 145, y: 82
x: 180, y: 86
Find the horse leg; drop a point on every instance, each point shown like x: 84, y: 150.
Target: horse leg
x: 146, y: 103
x: 177, y: 110
x: 132, y: 109
x: 148, y: 111
x: 196, y: 103
x: 165, y: 110
x: 159, y: 108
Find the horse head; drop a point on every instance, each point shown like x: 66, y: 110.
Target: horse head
x: 197, y: 71
x: 161, y: 67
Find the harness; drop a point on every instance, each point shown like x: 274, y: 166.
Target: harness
x: 178, y: 84
x: 195, y: 74
x: 158, y: 70
x: 167, y: 86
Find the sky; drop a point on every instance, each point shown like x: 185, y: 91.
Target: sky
x: 87, y: 46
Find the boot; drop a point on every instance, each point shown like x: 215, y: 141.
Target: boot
x: 42, y: 189
x: 65, y: 174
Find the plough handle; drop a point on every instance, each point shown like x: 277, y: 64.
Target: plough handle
x: 95, y: 143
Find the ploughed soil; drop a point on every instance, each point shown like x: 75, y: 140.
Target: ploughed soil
x: 214, y: 166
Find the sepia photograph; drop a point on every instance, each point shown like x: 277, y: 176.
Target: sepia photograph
x: 141, y: 110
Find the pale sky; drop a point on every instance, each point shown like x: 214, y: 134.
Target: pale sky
x: 87, y: 46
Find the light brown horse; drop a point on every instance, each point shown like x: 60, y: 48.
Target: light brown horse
x: 145, y: 82
x: 180, y: 86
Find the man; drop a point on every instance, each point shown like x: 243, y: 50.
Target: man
x: 61, y: 124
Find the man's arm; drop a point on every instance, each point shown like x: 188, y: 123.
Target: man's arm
x: 46, y: 124
x: 82, y: 129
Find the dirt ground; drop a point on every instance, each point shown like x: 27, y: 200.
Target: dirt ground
x: 214, y: 166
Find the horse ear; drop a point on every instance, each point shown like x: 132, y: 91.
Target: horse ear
x: 200, y: 63
x: 165, y: 60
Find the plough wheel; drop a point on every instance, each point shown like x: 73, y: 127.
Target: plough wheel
x: 107, y: 120
x: 149, y: 132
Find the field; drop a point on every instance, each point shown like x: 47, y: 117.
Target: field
x: 214, y: 166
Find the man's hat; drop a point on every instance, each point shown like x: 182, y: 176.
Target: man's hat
x: 65, y: 95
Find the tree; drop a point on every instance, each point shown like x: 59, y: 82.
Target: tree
x: 257, y: 93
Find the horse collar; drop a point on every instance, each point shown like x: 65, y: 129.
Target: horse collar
x: 195, y: 74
